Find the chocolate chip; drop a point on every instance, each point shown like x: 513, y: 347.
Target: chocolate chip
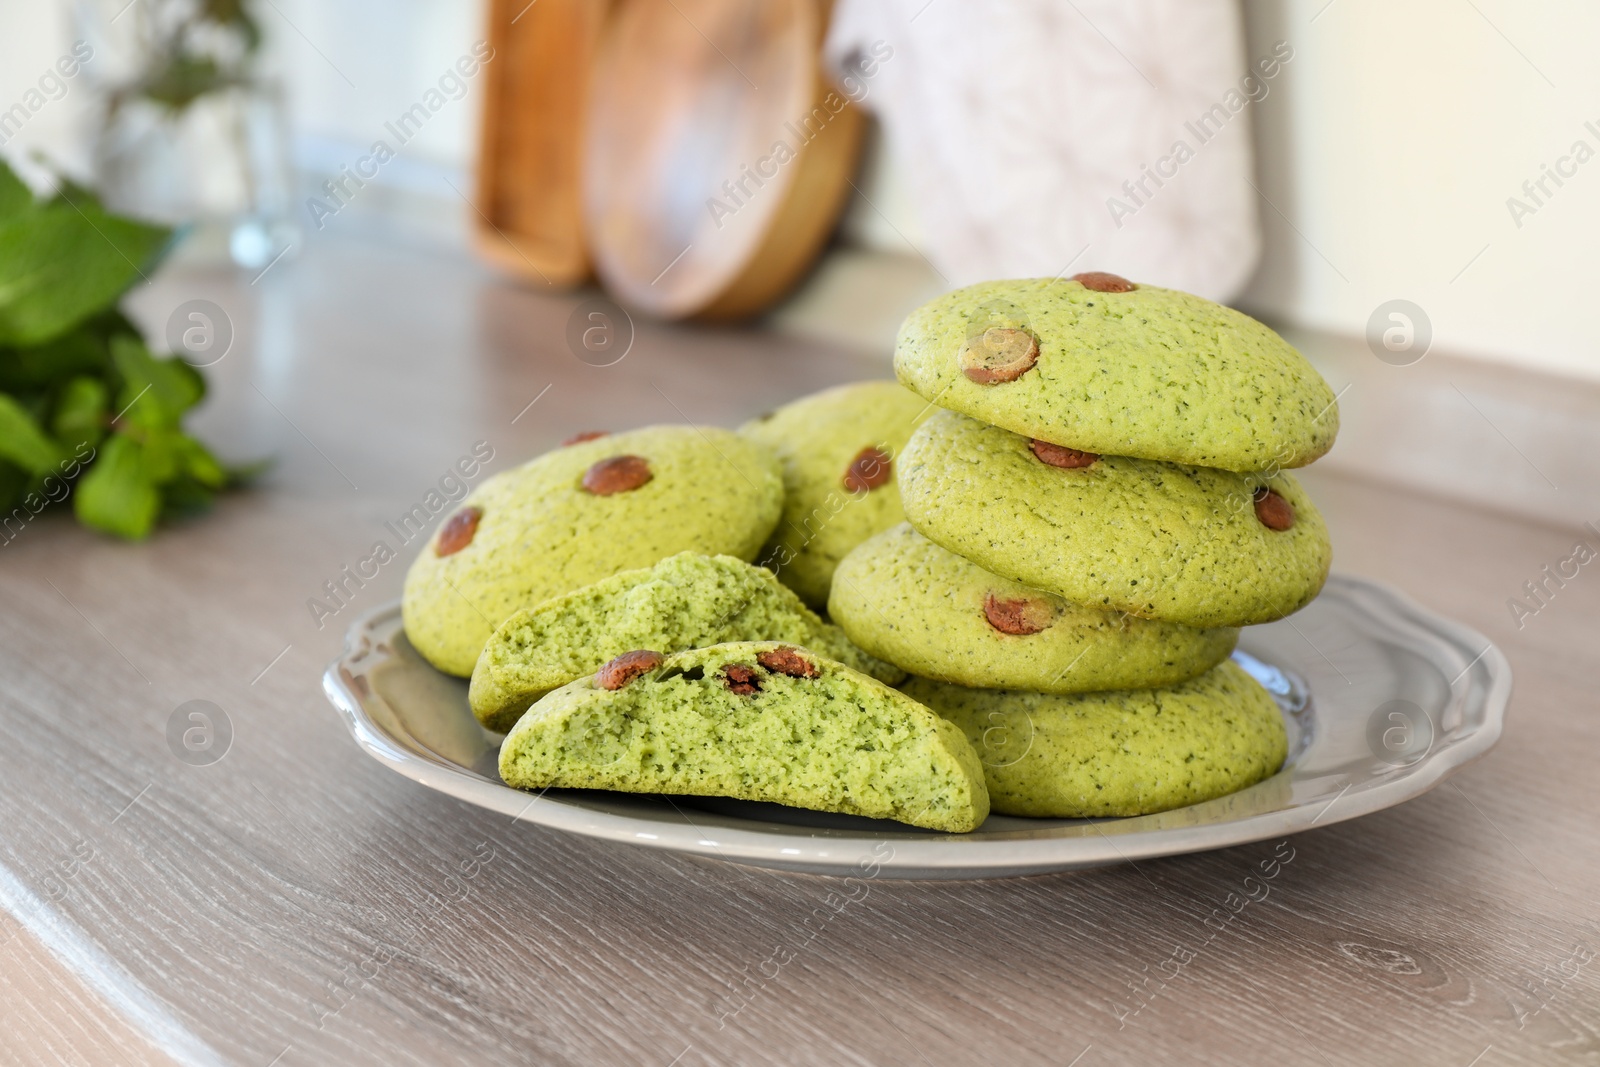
x: 870, y: 469
x: 741, y: 679
x: 1274, y: 512
x: 626, y: 667
x: 587, y: 435
x: 619, y: 474
x: 998, y: 354
x: 457, y: 532
x: 788, y: 661
x: 1061, y: 455
x: 1019, y: 616
x: 1101, y: 282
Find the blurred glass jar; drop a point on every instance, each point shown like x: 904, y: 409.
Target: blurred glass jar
x: 190, y: 132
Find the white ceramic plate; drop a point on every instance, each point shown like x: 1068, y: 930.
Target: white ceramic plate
x: 1382, y: 699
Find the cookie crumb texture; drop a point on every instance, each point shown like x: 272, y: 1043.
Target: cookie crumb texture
x: 839, y: 741
x: 922, y: 607
x: 1157, y: 540
x: 828, y: 507
x: 1153, y: 373
x: 1131, y: 752
x: 542, y: 534
x: 685, y: 601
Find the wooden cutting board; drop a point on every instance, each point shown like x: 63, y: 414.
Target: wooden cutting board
x: 528, y: 216
x: 718, y: 157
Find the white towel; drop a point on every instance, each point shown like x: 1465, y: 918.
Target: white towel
x: 1019, y: 121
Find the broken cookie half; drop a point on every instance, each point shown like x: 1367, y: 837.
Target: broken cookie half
x: 685, y: 601
x: 756, y: 720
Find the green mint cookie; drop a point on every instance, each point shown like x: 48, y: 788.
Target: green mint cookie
x: 924, y: 608
x: 755, y: 721
x: 685, y: 601
x: 1129, y: 752
x: 839, y: 449
x: 1122, y: 370
x: 579, y: 514
x: 1191, y: 545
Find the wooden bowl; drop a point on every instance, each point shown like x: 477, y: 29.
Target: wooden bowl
x: 718, y: 156
x: 529, y: 216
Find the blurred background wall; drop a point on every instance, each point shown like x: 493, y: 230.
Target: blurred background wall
x: 1387, y: 153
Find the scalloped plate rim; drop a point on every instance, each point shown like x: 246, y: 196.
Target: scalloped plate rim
x: 1002, y: 852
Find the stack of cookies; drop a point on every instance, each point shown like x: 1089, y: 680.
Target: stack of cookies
x: 1098, y: 507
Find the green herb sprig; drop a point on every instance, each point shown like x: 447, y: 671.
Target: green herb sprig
x: 85, y: 409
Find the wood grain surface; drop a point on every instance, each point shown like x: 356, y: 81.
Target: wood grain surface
x: 530, y: 145
x: 295, y: 903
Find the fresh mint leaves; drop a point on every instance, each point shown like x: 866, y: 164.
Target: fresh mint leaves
x: 85, y: 408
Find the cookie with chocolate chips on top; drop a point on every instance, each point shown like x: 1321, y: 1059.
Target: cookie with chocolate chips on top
x: 588, y: 510
x: 839, y: 450
x: 1100, y: 364
x: 927, y: 610
x: 1166, y: 541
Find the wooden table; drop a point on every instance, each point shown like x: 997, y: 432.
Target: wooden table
x: 296, y: 903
